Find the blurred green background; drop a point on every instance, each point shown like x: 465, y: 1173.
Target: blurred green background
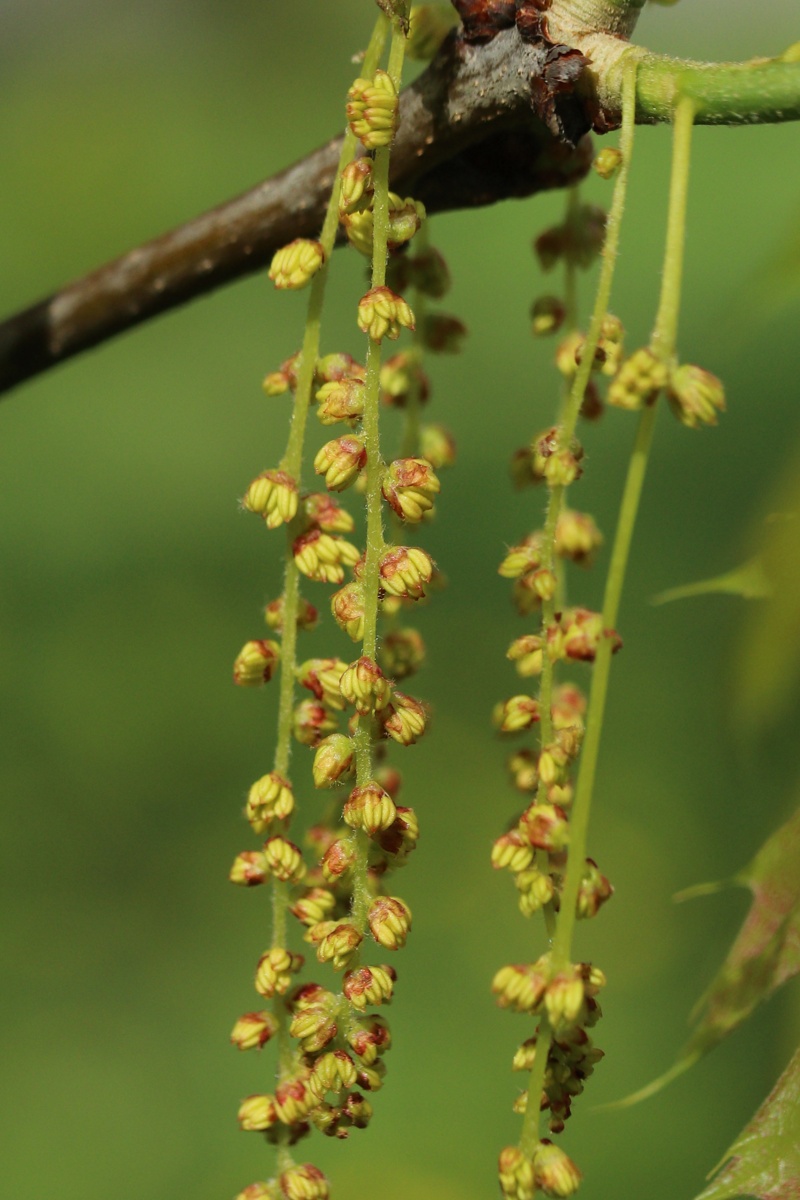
x: 130, y: 579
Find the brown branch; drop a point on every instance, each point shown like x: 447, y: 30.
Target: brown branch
x: 467, y: 136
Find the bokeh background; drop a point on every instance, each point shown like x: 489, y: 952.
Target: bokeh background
x: 130, y: 578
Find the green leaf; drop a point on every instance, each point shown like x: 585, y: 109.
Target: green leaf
x: 765, y: 954
x: 749, y: 580
x: 764, y: 1161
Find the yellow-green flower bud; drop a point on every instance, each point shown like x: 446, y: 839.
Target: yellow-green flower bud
x: 322, y: 556
x: 595, y: 889
x: 577, y: 537
x: 333, y: 1072
x: 269, y: 799
x: 547, y: 315
x: 555, y: 1173
x: 311, y: 722
x: 382, y: 314
x: 545, y: 826
x: 638, y: 381
x: 559, y: 467
x: 407, y: 720
x: 273, y: 495
x: 535, y: 890
x: 249, y: 868
x: 341, y: 400
x: 339, y: 945
x: 347, y: 606
x: 307, y: 615
x: 322, y: 510
x: 293, y: 1100
x: 516, y: 714
x: 254, y: 1030
x: 338, y: 859
x: 257, y: 1191
x: 608, y: 162
x: 527, y: 653
x: 313, y: 906
x: 525, y: 1056
x: 304, y: 1183
x: 512, y: 852
x: 402, y: 377
x: 405, y: 571
x: 274, y: 972
x: 255, y: 663
x: 364, y: 685
x: 369, y: 985
x: 524, y: 770
x: 401, y: 837
x: 402, y: 653
x: 333, y: 760
x: 340, y: 461
x: 515, y: 1172
x: 521, y: 559
x: 438, y: 445
x: 522, y: 986
x: 563, y: 1000
x: 314, y: 1027
x: 695, y: 396
x: 370, y: 808
x: 257, y: 1114
x: 372, y: 110
x: 322, y: 676
x: 295, y: 265
x: 284, y: 860
x: 410, y: 485
x: 356, y: 186
x: 389, y: 921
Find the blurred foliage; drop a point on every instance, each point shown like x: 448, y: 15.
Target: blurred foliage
x: 130, y: 579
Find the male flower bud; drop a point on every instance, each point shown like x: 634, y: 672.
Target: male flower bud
x: 322, y: 556
x: 401, y: 837
x: 524, y: 770
x: 311, y: 721
x: 516, y: 714
x: 313, y: 906
x: 402, y: 653
x: 255, y: 663
x: 370, y: 808
x: 594, y: 891
x: 526, y: 652
x: 293, y: 1101
x: 608, y: 162
x: 307, y: 615
x: 273, y: 495
x: 347, y: 606
x: 515, y: 1172
x: 558, y: 466
x: 389, y: 921
x: 638, y: 381
x: 577, y: 537
x: 333, y: 760
x: 257, y: 1191
x: 511, y: 851
x: 356, y: 185
x: 443, y: 333
x: 535, y: 890
x: 407, y: 720
x: 342, y: 400
x: 564, y: 1000
x: 369, y: 1039
x: 527, y: 556
x: 405, y: 571
x: 581, y: 634
x: 524, y: 1056
x: 333, y: 1072
x: 547, y: 315
x: 555, y: 1173
x: 284, y: 379
x: 322, y: 677
x: 403, y: 377
x: 322, y: 510
x: 249, y: 868
x: 338, y: 859
x: 338, y: 945
x: 305, y: 1182
x: 437, y: 444
x: 274, y: 972
x: 545, y: 826
x: 364, y: 685
x: 314, y: 1027
x: 295, y: 265
x: 254, y: 1030
x: 339, y: 365
x: 382, y: 313
x: 522, y: 986
x: 410, y: 485
x: 284, y: 860
x: 369, y: 985
x: 257, y: 1114
x: 340, y: 461
x: 269, y: 799
x: 372, y: 110
x: 695, y: 396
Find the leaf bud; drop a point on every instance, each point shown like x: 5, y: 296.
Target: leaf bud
x: 255, y: 663
x: 294, y: 265
x: 254, y: 1030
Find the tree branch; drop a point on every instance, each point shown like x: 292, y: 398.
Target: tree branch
x: 488, y: 120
